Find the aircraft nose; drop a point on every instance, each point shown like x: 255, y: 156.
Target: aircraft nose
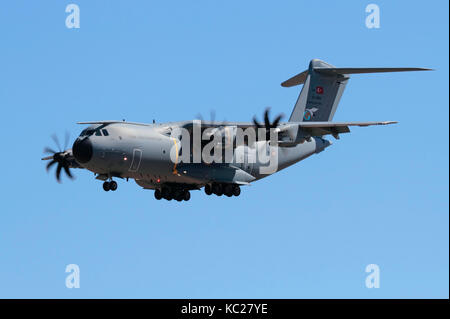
x: 82, y: 150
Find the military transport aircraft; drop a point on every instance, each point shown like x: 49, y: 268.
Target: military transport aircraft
x: 174, y: 158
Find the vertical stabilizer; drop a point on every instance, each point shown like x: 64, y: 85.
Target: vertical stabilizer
x: 323, y: 88
x: 320, y: 95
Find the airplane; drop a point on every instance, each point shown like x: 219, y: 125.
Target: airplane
x: 159, y: 158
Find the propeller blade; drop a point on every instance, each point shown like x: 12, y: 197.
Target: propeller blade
x: 277, y: 120
x: 58, y: 173
x: 67, y: 170
x: 48, y: 150
x: 66, y: 139
x: 212, y: 116
x: 199, y: 117
x: 56, y: 140
x: 266, y: 118
x: 258, y: 125
x: 50, y: 164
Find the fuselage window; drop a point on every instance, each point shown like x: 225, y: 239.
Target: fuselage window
x: 105, y: 132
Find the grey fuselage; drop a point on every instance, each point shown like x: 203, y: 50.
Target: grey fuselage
x: 142, y: 152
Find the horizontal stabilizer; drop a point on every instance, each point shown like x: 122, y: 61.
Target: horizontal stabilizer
x: 296, y: 80
x: 365, y: 70
x: 301, y: 77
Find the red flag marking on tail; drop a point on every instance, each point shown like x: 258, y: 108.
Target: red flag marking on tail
x: 319, y: 90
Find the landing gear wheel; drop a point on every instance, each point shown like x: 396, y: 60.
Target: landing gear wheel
x: 228, y: 190
x: 157, y: 194
x: 217, y: 189
x: 187, y: 195
x: 165, y: 193
x: 106, y: 186
x: 179, y: 196
x: 208, y: 189
x: 236, y: 190
x: 112, y: 185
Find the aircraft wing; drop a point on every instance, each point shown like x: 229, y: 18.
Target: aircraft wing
x: 213, y: 124
x: 312, y: 128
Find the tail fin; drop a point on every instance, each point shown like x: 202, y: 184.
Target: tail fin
x: 323, y: 88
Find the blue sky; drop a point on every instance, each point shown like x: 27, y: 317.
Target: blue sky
x: 379, y: 195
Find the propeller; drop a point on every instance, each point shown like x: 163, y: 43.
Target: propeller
x: 216, y: 125
x: 212, y: 116
x: 59, y: 157
x: 267, y: 124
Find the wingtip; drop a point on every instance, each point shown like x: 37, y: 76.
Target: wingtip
x: 390, y: 122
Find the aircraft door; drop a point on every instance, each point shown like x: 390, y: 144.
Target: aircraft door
x: 136, y: 161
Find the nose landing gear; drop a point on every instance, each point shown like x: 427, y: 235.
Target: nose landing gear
x: 109, y: 186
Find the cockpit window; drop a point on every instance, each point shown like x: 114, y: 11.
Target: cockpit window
x: 87, y: 132
x: 97, y: 132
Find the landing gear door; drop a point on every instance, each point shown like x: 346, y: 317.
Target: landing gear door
x: 136, y: 161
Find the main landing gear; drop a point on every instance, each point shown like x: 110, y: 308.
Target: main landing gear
x: 222, y: 189
x: 109, y: 186
x: 169, y: 194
